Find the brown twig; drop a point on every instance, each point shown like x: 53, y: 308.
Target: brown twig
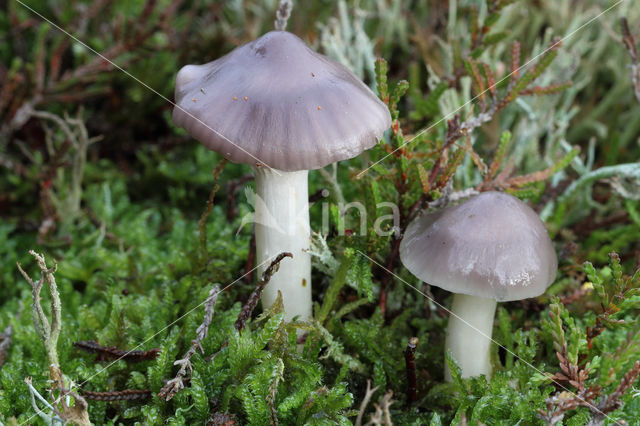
x: 514, y: 75
x: 454, y: 132
x: 383, y: 296
x: 202, y: 223
x: 386, y: 278
x: 546, y: 90
x: 612, y: 402
x: 111, y: 352
x: 410, y: 362
x: 123, y: 395
x: 251, y: 259
x: 272, y: 394
x: 561, y: 402
x: 174, y: 385
x: 251, y: 304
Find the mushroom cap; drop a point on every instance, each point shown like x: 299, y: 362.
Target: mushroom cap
x: 492, y: 246
x: 277, y: 102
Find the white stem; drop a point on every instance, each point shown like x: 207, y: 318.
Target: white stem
x: 282, y: 224
x: 469, y: 335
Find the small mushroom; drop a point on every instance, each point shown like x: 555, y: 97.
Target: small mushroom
x: 288, y: 123
x: 492, y: 247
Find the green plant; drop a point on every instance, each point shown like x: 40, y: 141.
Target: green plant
x: 136, y: 264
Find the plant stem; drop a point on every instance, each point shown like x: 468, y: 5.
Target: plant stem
x: 469, y: 335
x: 251, y: 304
x: 410, y: 363
x: 282, y: 225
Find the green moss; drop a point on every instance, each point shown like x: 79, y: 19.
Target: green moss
x: 130, y: 267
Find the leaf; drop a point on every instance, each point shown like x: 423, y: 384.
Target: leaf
x: 430, y: 106
x: 398, y: 92
x: 333, y: 291
x: 504, y: 325
x: 498, y: 159
x: 456, y: 374
x: 495, y: 38
x: 335, y: 351
x: 199, y: 396
x: 435, y: 420
x: 534, y: 72
x: 381, y: 79
x: 164, y: 362
x: 359, y: 276
x: 424, y: 179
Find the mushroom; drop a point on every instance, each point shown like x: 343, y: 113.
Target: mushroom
x: 284, y: 109
x: 490, y: 248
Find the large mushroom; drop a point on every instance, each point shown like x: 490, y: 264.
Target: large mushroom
x: 284, y: 109
x: 492, y: 247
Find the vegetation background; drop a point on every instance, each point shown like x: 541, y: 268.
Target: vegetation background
x: 95, y: 176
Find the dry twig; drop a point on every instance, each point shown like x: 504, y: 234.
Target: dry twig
x: 202, y: 223
x: 251, y: 304
x: 273, y: 392
x: 410, y: 362
x: 111, y: 352
x: 176, y: 384
x: 123, y: 395
x: 612, y: 402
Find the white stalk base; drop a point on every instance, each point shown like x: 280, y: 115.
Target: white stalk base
x: 468, y: 345
x: 282, y: 225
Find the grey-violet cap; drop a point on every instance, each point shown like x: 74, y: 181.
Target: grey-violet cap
x: 276, y: 101
x: 492, y: 246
